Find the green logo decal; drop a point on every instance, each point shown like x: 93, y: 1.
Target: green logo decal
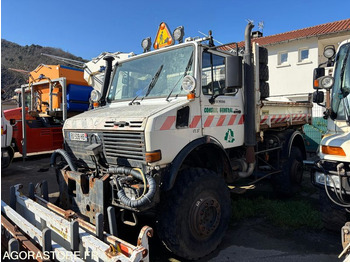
x: 229, y: 136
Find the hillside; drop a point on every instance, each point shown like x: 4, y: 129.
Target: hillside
x: 24, y: 58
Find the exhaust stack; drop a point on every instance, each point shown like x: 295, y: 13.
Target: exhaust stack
x: 109, y: 60
x: 249, y: 103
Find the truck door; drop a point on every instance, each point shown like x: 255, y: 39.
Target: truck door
x: 223, y: 119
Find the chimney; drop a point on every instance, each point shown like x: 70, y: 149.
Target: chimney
x: 257, y: 34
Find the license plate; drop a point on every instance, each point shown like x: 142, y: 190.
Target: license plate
x: 78, y: 136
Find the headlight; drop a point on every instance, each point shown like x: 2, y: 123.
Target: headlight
x: 326, y: 82
x: 188, y: 83
x: 329, y: 51
x: 320, y: 179
x: 146, y: 44
x: 95, y: 96
x: 179, y: 34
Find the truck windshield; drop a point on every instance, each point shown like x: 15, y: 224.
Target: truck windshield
x: 133, y: 78
x: 341, y: 88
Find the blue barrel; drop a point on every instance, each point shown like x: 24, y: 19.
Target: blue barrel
x: 78, y: 98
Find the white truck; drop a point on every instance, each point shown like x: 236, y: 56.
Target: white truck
x: 177, y: 127
x: 332, y: 171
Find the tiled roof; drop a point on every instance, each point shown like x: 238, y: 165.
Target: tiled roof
x: 318, y: 30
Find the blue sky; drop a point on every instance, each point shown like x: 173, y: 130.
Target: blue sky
x: 87, y: 28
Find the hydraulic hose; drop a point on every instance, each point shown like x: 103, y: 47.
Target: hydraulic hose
x: 66, y: 157
x: 143, y: 200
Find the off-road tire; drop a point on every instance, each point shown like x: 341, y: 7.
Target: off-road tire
x: 333, y: 217
x: 288, y: 182
x: 263, y: 55
x: 263, y: 72
x: 264, y: 90
x: 193, y: 216
x: 63, y: 199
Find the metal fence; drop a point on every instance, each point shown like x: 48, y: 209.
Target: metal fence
x: 314, y: 132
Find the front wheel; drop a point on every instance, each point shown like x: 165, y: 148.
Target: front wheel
x: 194, y: 214
x: 334, y: 217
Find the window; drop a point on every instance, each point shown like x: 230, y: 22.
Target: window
x: 218, y: 81
x: 303, y: 55
x: 282, y: 58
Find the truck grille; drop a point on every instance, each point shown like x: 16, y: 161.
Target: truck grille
x: 130, y: 145
x: 120, y: 147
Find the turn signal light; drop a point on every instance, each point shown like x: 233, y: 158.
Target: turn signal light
x: 333, y: 150
x: 153, y: 156
x: 191, y: 96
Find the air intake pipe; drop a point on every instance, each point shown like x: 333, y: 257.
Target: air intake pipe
x: 144, y: 199
x: 109, y: 60
x: 66, y: 157
x: 249, y: 103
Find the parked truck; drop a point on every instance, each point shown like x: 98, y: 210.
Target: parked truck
x: 177, y: 127
x: 332, y: 171
x: 54, y: 93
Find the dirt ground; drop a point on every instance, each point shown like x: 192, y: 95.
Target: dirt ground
x: 251, y: 240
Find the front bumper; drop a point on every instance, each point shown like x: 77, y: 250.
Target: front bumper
x: 334, y: 174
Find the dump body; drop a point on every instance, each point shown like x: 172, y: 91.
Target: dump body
x: 284, y: 114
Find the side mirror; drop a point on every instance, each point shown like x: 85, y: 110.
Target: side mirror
x: 233, y: 72
x: 318, y: 97
x: 318, y: 72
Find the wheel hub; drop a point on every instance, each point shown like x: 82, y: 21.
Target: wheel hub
x: 205, y: 217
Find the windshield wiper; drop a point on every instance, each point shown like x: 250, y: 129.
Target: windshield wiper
x: 153, y: 82
x: 150, y: 85
x: 189, y: 65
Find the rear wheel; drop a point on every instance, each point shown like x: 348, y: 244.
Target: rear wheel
x: 288, y: 182
x: 194, y: 214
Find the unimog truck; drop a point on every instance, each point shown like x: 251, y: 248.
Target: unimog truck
x: 332, y: 170
x: 176, y: 128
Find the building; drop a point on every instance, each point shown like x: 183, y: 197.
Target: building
x: 294, y: 55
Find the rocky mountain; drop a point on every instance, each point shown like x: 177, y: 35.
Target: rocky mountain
x: 27, y: 58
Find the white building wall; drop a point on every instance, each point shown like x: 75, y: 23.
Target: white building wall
x: 294, y: 79
x: 293, y: 76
